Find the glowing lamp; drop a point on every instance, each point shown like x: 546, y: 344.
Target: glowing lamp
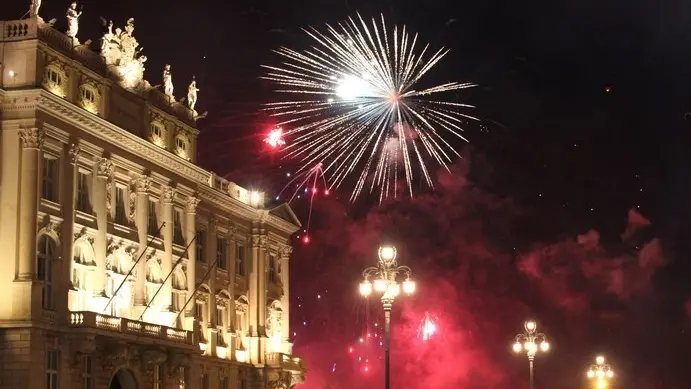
x: 600, y: 360
x: 591, y: 374
x: 11, y: 73
x: 393, y: 289
x: 610, y: 374
x: 600, y: 374
x: 380, y: 285
x: 409, y: 286
x: 544, y: 346
x: 517, y: 347
x: 255, y: 197
x: 365, y: 288
x: 530, y: 326
x: 602, y: 384
x: 387, y: 253
x: 530, y: 346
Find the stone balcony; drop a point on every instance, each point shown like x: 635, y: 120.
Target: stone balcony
x: 286, y: 362
x: 137, y: 330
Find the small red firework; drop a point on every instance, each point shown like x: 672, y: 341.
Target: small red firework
x: 307, y: 182
x: 275, y: 138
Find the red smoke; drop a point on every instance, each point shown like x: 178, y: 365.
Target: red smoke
x: 588, y: 296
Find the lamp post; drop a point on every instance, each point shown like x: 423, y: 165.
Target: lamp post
x: 383, y: 279
x: 531, y: 342
x: 600, y: 373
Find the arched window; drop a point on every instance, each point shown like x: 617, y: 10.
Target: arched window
x: 45, y: 257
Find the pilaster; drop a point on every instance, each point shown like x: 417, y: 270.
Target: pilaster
x: 257, y: 291
x: 69, y: 201
x: 284, y: 275
x: 165, y: 296
x: 104, y: 176
x: 32, y: 144
x: 190, y: 238
x: 212, y: 244
x: 141, y: 186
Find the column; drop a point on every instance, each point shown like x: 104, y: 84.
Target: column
x: 165, y: 295
x: 70, y: 192
x: 190, y: 236
x: 285, y: 297
x: 258, y: 297
x: 141, y: 186
x: 32, y: 142
x: 232, y: 266
x: 104, y: 173
x: 212, y: 244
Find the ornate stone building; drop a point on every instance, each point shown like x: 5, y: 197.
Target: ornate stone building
x: 123, y: 264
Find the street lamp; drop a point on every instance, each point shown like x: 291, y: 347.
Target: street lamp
x: 600, y: 373
x: 383, y: 279
x: 531, y: 342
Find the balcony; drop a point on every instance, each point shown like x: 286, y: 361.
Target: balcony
x: 131, y: 328
x: 286, y: 362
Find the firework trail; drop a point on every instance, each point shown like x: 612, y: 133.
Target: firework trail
x: 307, y: 182
x: 354, y: 106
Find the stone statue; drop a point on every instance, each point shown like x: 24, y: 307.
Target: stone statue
x: 73, y: 20
x: 168, y: 82
x: 192, y: 93
x: 122, y: 54
x: 35, y: 6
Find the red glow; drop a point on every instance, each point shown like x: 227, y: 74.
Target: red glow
x: 326, y: 192
x: 314, y: 190
x: 366, y: 369
x: 350, y: 349
x: 275, y: 138
x: 306, y: 239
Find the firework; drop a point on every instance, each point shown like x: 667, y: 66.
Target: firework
x: 354, y: 106
x: 275, y: 138
x: 428, y: 327
x: 307, y: 183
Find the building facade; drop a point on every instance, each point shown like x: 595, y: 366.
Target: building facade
x: 123, y: 264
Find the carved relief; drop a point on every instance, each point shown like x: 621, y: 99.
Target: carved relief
x: 241, y: 306
x: 255, y: 240
x: 109, y: 195
x: 191, y: 206
x: 133, y: 204
x: 151, y: 358
x: 32, y: 138
x: 52, y: 227
x: 143, y: 184
x: 232, y: 231
x: 262, y: 241
x: 55, y: 78
x: 104, y: 168
x: 167, y: 195
x: 74, y: 152
x: 284, y: 251
x: 274, y: 319
x: 122, y: 54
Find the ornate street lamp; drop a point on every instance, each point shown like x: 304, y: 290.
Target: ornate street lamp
x: 600, y: 373
x: 531, y: 342
x: 383, y: 279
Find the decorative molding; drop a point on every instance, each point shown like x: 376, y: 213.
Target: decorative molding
x: 142, y: 184
x: 284, y: 251
x: 74, y: 152
x: 232, y: 231
x: 32, y: 138
x: 255, y: 240
x: 104, y: 168
x: 263, y: 239
x: 191, y: 205
x: 213, y: 222
x: 167, y: 195
x: 133, y: 203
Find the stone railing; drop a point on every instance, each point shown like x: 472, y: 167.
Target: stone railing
x: 19, y: 30
x: 131, y: 327
x: 285, y: 361
x: 252, y: 198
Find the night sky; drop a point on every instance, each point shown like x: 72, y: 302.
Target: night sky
x: 570, y: 205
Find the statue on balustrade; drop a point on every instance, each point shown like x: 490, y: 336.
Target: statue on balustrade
x: 192, y: 93
x: 122, y: 54
x: 35, y: 6
x: 168, y: 82
x: 73, y: 20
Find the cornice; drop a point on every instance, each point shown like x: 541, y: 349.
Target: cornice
x: 285, y: 226
x: 112, y: 134
x: 228, y: 203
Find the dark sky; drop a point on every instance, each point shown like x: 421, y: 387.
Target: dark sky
x: 584, y: 102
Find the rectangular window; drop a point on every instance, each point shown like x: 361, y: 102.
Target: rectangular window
x: 273, y: 270
x: 242, y: 380
x: 120, y: 213
x: 201, y: 241
x: 223, y: 383
x: 158, y: 377
x: 44, y: 272
x: 199, y: 311
x: 83, y: 203
x: 240, y: 267
x: 222, y: 253
x: 153, y: 219
x: 87, y: 373
x: 52, y: 369
x: 182, y: 377
x: 50, y: 178
x: 220, y: 316
x: 177, y: 228
x: 205, y: 381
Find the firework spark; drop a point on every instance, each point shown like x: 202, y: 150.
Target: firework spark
x: 275, y: 138
x: 307, y: 182
x: 427, y: 328
x: 354, y: 105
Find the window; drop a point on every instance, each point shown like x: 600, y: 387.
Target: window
x: 177, y: 228
x: 44, y: 270
x: 223, y: 383
x: 158, y: 377
x: 83, y: 203
x: 220, y: 317
x: 88, y: 94
x: 240, y: 261
x: 54, y: 77
x: 153, y: 219
x: 50, y: 176
x: 181, y: 144
x: 199, y: 311
x: 157, y: 129
x: 242, y: 379
x: 201, y: 240
x: 273, y: 273
x: 120, y: 213
x: 87, y: 378
x: 52, y: 369
x: 158, y: 134
x: 205, y: 381
x: 222, y: 253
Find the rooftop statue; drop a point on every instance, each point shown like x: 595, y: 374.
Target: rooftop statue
x: 168, y: 82
x: 73, y: 21
x: 35, y: 6
x: 192, y: 93
x: 122, y: 54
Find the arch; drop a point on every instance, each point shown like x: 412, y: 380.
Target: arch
x: 119, y: 261
x: 179, y: 279
x: 242, y: 299
x: 49, y: 230
x: 223, y: 294
x: 83, y: 252
x: 204, y: 288
x: 276, y: 305
x: 124, y: 379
